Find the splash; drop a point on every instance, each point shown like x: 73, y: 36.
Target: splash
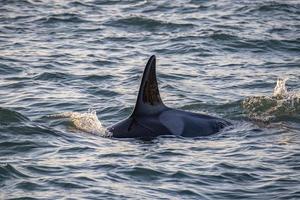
x: 280, y: 90
x: 281, y: 103
x: 87, y: 122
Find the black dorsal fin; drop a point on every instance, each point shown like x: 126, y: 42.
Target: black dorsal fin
x: 148, y: 100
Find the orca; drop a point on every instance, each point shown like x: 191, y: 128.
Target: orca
x: 151, y: 117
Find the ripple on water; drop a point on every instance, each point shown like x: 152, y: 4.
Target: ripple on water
x: 9, y: 116
x: 8, y: 171
x: 6, y: 70
x: 54, y: 76
x: 147, y: 24
x: 56, y: 19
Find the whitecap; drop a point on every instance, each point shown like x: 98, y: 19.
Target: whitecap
x: 87, y: 122
x: 281, y: 103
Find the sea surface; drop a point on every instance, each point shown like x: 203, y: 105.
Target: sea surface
x: 68, y: 69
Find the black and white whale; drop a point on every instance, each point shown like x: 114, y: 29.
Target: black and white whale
x: 151, y: 118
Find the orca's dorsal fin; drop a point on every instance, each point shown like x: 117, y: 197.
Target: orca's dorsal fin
x: 148, y: 100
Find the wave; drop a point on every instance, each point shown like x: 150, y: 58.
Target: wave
x: 64, y: 17
x: 5, y: 69
x: 52, y: 76
x: 80, y: 4
x: 272, y: 7
x: 9, y: 116
x: 275, y: 6
x: 282, y: 103
x: 8, y: 171
x: 14, y: 123
x: 60, y: 76
x: 87, y: 122
x: 223, y: 36
x: 148, y: 24
x: 18, y: 2
x: 97, y: 78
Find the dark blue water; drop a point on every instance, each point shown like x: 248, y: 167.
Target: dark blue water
x: 71, y: 56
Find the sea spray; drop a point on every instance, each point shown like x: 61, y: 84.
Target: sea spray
x: 280, y: 90
x: 87, y: 122
x: 267, y: 108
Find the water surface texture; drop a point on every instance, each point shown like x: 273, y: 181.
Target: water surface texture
x: 58, y: 59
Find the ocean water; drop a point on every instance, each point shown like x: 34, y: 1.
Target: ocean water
x: 68, y: 69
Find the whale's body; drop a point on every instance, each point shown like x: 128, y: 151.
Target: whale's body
x: 151, y: 118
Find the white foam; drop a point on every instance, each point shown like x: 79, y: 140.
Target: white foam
x: 280, y: 90
x: 281, y: 103
x: 87, y: 122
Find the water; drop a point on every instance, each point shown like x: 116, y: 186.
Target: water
x: 280, y: 105
x: 59, y: 59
